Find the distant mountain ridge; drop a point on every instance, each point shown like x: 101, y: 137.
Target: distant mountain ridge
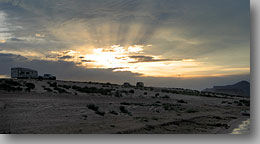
x: 241, y: 88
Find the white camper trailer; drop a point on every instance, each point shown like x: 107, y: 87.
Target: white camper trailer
x: 23, y: 73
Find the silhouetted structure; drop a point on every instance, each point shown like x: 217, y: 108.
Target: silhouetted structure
x: 23, y: 73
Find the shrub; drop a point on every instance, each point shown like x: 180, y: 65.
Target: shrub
x: 75, y: 87
x: 60, y: 90
x: 100, y: 113
x: 9, y: 88
x: 54, y: 84
x: 85, y: 116
x: 142, y: 119
x: 168, y: 106
x: 124, y: 110
x: 92, y: 107
x: 91, y: 90
x: 132, y: 91
x: 181, y: 101
x: 113, y: 112
x: 154, y: 118
x: 30, y: 85
x: 65, y: 86
x: 95, y: 108
x: 125, y: 103
x: 48, y: 89
x: 191, y: 111
x: 166, y: 97
x: 118, y: 94
x: 12, y: 83
x: 240, y: 104
x: 245, y: 102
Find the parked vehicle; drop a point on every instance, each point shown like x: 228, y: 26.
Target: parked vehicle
x: 23, y: 73
x: 26, y: 73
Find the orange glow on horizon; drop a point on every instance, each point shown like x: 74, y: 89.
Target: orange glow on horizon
x: 133, y: 59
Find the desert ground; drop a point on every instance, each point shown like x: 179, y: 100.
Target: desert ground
x: 50, y: 107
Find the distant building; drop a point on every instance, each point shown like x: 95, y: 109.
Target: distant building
x: 140, y: 84
x: 126, y: 84
x: 23, y: 73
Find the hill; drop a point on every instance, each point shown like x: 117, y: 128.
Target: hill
x: 241, y: 88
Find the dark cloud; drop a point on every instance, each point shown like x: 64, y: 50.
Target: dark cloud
x: 15, y: 39
x: 140, y: 59
x: 70, y: 71
x: 217, y: 22
x: 62, y: 69
x: 87, y: 61
x: 66, y: 57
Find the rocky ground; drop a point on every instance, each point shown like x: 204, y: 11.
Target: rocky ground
x: 33, y: 106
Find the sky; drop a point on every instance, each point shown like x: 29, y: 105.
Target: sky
x: 167, y: 43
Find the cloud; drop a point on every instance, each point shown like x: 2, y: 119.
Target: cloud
x: 70, y: 71
x: 87, y: 61
x: 140, y: 59
x: 215, y: 33
x: 15, y: 39
x: 66, y: 57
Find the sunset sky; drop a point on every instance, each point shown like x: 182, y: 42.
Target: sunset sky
x: 169, y: 43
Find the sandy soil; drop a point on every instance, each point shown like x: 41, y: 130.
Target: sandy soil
x: 144, y: 111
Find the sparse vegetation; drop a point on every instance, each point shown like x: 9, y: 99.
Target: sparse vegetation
x: 84, y: 116
x: 100, y: 113
x: 245, y: 102
x: 93, y: 107
x: 181, y: 101
x: 142, y: 119
x: 124, y: 110
x: 29, y: 86
x: 191, y: 111
x: 92, y: 90
x: 154, y: 118
x: 7, y: 87
x: 223, y: 102
x: 125, y: 103
x: 54, y: 84
x: 165, y: 97
x: 113, y: 112
x: 132, y: 91
x: 96, y: 109
x: 65, y: 86
x: 48, y: 89
x: 169, y: 107
x: 118, y: 94
x: 60, y: 90
x: 12, y: 83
